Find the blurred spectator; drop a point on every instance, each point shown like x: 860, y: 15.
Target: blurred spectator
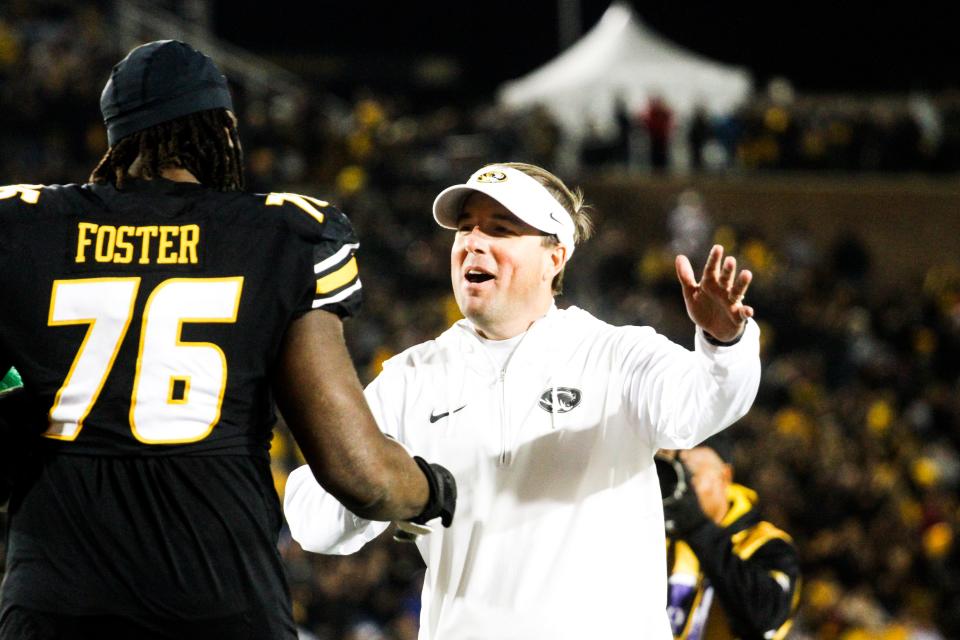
x: 658, y: 119
x: 700, y: 132
x: 689, y: 225
x: 732, y: 573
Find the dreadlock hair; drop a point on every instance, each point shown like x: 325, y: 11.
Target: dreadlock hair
x: 205, y: 143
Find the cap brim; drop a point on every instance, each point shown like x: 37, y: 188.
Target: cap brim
x: 522, y: 196
x: 448, y: 205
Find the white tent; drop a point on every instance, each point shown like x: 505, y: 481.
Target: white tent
x: 621, y: 59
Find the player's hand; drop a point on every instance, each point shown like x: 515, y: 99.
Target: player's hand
x: 442, y: 502
x: 715, y: 304
x: 684, y: 515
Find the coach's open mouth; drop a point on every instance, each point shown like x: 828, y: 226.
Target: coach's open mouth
x: 476, y: 276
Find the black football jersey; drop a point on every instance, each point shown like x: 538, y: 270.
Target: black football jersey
x: 148, y: 319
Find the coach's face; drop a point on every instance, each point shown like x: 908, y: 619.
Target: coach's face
x: 501, y: 269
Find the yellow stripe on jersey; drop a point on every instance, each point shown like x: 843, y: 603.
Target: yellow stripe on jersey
x: 746, y: 542
x: 338, y: 278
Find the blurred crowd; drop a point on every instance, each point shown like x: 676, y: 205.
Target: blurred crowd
x: 50, y: 127
x: 781, y: 131
x: 853, y: 444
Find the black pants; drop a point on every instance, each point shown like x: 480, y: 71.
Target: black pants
x: 23, y: 624
x: 145, y: 548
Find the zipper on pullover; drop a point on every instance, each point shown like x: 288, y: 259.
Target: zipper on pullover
x: 504, y: 458
x: 507, y: 439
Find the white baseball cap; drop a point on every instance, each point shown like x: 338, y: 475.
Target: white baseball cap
x: 521, y: 194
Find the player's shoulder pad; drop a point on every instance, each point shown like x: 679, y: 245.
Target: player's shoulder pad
x: 20, y: 197
x: 309, y: 217
x: 34, y: 199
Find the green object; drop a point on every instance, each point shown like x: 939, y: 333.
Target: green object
x: 11, y: 381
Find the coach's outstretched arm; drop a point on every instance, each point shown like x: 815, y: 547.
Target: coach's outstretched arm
x: 321, y: 399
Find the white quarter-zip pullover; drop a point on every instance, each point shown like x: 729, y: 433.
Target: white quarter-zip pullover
x: 559, y: 526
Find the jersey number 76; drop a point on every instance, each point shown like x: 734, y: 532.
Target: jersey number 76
x: 178, y: 386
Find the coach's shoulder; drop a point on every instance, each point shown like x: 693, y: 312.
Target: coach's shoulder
x: 577, y: 322
x: 413, y: 357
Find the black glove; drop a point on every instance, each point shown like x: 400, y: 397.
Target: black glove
x: 684, y: 515
x: 443, y: 493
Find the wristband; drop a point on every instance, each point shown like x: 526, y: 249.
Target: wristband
x: 442, y: 502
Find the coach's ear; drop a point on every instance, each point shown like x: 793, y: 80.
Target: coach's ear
x: 554, y: 261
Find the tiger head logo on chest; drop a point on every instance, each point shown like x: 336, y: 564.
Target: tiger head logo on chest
x: 559, y: 399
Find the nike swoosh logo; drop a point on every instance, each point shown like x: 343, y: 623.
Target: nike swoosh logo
x: 555, y: 218
x: 434, y: 418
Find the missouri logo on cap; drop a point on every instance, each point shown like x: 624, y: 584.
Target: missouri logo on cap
x: 492, y: 176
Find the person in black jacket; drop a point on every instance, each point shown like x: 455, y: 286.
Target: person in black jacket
x: 731, y: 573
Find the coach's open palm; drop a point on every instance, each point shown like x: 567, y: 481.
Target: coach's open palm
x: 715, y: 303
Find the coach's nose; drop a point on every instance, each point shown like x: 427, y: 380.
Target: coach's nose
x: 475, y: 240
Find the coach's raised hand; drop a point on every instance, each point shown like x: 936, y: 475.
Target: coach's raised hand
x: 715, y: 304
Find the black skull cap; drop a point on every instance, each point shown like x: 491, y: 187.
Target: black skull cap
x: 160, y: 81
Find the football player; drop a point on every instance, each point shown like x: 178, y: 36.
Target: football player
x: 154, y: 314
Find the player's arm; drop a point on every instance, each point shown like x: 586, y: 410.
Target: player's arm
x: 319, y: 522
x: 322, y: 401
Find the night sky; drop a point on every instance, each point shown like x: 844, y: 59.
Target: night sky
x: 890, y: 47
